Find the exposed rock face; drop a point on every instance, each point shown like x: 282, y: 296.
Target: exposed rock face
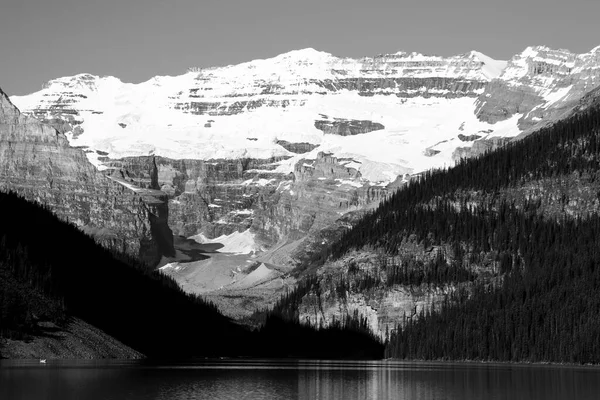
x: 37, y: 162
x: 344, y: 127
x: 384, y: 309
x: 310, y: 72
x: 214, y: 197
x: 297, y: 148
x: 480, y: 147
x: 326, y: 166
x: 408, y: 87
x: 431, y: 152
x: 469, y: 138
x: 540, y: 84
x: 384, y: 306
x: 322, y: 191
x: 218, y: 197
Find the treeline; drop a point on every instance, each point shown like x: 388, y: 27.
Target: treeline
x: 546, y: 308
x: 51, y: 271
x: 542, y: 303
x: 348, y: 336
x: 569, y: 146
x: 440, y: 271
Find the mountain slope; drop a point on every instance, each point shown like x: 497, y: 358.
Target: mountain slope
x: 37, y: 162
x: 293, y: 147
x: 58, y: 272
x: 58, y: 285
x: 540, y: 84
x: 242, y: 111
x: 72, y: 340
x: 496, y: 258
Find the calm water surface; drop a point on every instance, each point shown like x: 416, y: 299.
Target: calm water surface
x: 218, y: 380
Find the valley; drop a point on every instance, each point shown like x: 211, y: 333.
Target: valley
x: 236, y: 181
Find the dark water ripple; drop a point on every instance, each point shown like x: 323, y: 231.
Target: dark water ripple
x: 314, y: 380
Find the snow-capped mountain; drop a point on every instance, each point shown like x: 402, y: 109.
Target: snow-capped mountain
x: 284, y: 148
x: 417, y: 107
x: 37, y: 163
x: 540, y: 84
x: 242, y: 111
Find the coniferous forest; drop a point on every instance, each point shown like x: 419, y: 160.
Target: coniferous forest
x: 543, y: 304
x: 51, y: 271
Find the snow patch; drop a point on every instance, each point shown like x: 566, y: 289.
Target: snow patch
x: 491, y: 68
x: 237, y: 242
x: 260, y: 275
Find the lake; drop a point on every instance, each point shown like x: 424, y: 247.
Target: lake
x: 294, y: 379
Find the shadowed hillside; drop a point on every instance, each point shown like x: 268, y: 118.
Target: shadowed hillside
x: 50, y: 272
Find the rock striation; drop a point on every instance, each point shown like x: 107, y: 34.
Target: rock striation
x: 212, y: 197
x: 279, y: 107
x: 344, y: 127
x: 293, y: 147
x: 539, y: 84
x: 37, y: 162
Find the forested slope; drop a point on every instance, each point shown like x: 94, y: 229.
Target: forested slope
x: 542, y: 299
x: 51, y: 272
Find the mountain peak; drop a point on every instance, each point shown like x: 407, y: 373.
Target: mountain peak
x: 491, y: 68
x: 304, y: 55
x: 84, y: 81
x: 306, y: 52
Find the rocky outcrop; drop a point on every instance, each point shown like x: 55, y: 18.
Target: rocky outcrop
x: 77, y: 340
x: 321, y: 192
x: 344, y: 127
x: 213, y: 197
x: 37, y: 162
x: 297, y: 148
x: 384, y: 309
x: 480, y: 146
x: 431, y: 152
x: 408, y: 87
x: 218, y: 197
x: 384, y: 306
x: 468, y: 138
x: 539, y: 84
x: 324, y: 167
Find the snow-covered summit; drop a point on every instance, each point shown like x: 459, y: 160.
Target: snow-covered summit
x: 391, y: 113
x: 491, y: 68
x: 82, y: 82
x: 304, y: 54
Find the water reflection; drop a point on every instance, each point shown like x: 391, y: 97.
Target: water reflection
x: 451, y: 381
x: 220, y: 380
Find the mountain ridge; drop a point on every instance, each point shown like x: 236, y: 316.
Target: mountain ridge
x: 286, y: 147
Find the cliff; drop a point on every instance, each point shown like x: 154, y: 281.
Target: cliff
x: 540, y: 84
x: 293, y: 148
x: 37, y: 162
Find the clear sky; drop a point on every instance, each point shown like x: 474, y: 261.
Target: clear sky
x: 137, y: 39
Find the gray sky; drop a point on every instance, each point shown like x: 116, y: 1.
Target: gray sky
x: 137, y: 39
